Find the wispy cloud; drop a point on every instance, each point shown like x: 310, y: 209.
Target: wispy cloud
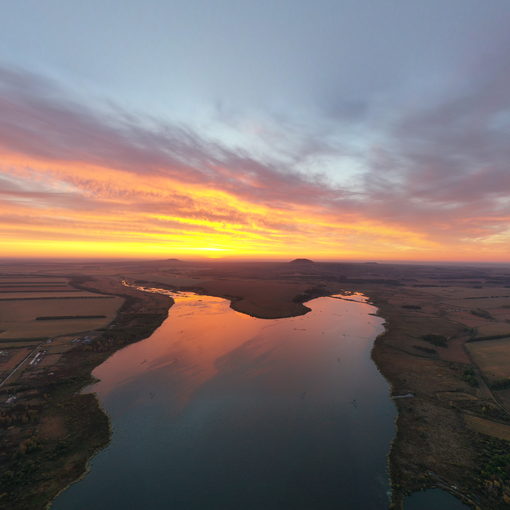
x: 438, y: 181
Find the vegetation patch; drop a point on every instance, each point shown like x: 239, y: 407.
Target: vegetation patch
x: 494, y: 474
x: 66, y: 317
x: 427, y: 350
x: 438, y: 340
x: 470, y: 377
x: 484, y: 314
x: 490, y: 337
x: 311, y: 293
x: 500, y: 384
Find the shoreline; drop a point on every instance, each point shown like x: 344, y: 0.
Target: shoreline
x: 155, y: 288
x: 404, y: 483
x: 97, y: 401
x: 88, y: 465
x: 59, y: 462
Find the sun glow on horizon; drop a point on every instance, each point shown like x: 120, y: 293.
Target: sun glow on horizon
x: 67, y: 209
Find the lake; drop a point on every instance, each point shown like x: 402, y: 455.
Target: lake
x: 220, y: 410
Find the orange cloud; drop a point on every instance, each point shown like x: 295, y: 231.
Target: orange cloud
x: 73, y: 184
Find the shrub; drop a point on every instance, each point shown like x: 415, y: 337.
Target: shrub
x: 438, y: 340
x: 470, y: 377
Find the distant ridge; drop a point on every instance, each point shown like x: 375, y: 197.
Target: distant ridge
x: 173, y: 260
x: 301, y: 261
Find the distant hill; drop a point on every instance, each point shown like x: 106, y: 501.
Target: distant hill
x: 301, y: 261
x: 173, y: 260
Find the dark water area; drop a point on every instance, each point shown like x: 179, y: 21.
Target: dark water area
x: 435, y: 499
x: 219, y: 410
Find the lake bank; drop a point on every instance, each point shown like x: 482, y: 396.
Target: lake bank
x: 64, y: 427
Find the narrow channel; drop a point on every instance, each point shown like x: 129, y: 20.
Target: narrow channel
x: 220, y: 410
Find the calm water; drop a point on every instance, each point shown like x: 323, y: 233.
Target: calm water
x: 435, y: 499
x: 219, y: 410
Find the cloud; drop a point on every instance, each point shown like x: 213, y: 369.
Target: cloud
x: 446, y: 164
x: 439, y: 176
x: 38, y: 121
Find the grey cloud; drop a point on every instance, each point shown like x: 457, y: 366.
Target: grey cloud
x: 441, y: 168
x: 41, y: 124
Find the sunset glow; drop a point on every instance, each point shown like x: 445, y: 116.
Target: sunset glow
x: 62, y: 208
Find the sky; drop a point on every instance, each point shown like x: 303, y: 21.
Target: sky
x: 359, y: 130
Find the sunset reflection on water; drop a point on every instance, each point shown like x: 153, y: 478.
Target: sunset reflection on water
x: 190, y: 344
x: 217, y: 409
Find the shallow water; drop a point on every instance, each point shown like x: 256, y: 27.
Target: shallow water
x: 219, y: 410
x: 435, y: 499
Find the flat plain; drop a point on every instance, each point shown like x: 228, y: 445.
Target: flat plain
x: 24, y: 300
x: 493, y: 357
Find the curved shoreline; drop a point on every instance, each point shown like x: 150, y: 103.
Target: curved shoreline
x: 98, y: 449
x: 97, y: 401
x: 406, y: 478
x: 138, y: 318
x: 85, y: 369
x: 148, y: 333
x: 369, y: 359
x: 84, y: 427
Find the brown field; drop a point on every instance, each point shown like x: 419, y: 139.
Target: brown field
x: 34, y: 282
x: 455, y: 395
x: 168, y: 279
x: 18, y: 342
x: 466, y: 298
x: 37, y: 288
x: 10, y: 358
x: 28, y: 279
x: 34, y: 288
x: 487, y: 427
x: 492, y: 356
x: 468, y: 319
x: 504, y: 397
x: 52, y: 428
x: 460, y: 292
x: 18, y: 318
x: 487, y: 303
x: 494, y: 328
x: 260, y: 298
x: 266, y: 299
x: 43, y: 294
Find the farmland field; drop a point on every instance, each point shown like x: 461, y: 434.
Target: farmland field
x: 492, y: 356
x: 490, y: 428
x: 18, y: 319
x: 23, y: 300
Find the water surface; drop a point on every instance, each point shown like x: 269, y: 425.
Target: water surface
x: 219, y: 410
x: 436, y: 499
